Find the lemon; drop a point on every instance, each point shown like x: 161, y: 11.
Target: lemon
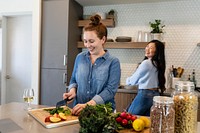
x: 138, y: 125
x: 146, y: 121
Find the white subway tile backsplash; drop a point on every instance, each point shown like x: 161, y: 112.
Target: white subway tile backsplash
x: 182, y: 33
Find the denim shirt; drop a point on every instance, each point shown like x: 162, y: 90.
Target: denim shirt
x: 98, y: 81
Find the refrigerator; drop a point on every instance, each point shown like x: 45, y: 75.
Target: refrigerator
x: 59, y: 37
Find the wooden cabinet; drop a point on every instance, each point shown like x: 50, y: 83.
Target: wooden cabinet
x: 123, y: 100
x: 58, y: 50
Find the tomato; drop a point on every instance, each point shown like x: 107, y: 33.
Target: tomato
x: 124, y: 122
x: 128, y: 117
x: 118, y: 119
x: 123, y: 115
x: 134, y: 117
x: 47, y: 119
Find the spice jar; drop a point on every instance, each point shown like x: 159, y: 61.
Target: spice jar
x: 162, y: 115
x: 185, y: 105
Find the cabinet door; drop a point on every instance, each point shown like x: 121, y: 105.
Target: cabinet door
x: 54, y: 33
x: 123, y: 100
x: 52, y: 86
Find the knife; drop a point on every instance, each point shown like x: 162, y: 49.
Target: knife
x: 62, y: 102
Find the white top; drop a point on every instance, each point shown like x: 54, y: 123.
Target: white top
x: 145, y: 76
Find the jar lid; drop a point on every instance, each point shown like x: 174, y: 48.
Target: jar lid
x: 163, y: 99
x: 184, y: 85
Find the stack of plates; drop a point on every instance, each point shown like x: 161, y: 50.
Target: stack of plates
x: 109, y: 40
x: 123, y: 39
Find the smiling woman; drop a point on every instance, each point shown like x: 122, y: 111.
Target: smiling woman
x: 149, y: 76
x: 96, y: 73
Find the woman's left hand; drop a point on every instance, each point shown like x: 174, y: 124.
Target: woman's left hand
x: 77, y: 109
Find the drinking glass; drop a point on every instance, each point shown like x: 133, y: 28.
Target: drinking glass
x: 28, y: 97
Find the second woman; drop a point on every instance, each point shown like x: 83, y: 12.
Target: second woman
x: 150, y: 78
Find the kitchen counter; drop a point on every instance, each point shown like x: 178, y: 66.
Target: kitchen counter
x: 13, y: 118
x: 133, y: 90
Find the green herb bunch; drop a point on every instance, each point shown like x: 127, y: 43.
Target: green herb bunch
x: 53, y: 111
x: 97, y: 119
x: 156, y: 26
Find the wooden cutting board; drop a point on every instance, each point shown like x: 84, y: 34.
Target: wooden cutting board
x: 41, y: 114
x: 146, y: 130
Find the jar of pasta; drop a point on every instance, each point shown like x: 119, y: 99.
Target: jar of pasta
x: 162, y: 115
x: 186, y: 106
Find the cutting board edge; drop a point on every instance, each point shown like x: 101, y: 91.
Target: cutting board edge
x: 53, y: 125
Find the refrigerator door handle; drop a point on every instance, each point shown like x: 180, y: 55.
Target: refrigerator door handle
x: 65, y: 60
x: 64, y: 78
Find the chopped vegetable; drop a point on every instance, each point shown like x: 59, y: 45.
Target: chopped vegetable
x: 53, y: 111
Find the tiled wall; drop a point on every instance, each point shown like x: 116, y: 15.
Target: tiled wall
x: 182, y: 32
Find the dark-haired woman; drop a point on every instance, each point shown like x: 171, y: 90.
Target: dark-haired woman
x: 96, y: 74
x: 149, y: 76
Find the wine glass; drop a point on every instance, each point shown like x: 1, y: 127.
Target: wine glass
x: 28, y: 97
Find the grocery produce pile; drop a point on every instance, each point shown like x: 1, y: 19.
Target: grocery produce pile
x: 100, y: 119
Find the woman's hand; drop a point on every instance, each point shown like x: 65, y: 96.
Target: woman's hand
x: 70, y: 95
x: 77, y: 109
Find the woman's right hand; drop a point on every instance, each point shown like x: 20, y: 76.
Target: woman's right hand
x: 70, y: 95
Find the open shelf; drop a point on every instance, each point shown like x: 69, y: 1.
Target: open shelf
x: 120, y: 45
x: 106, y: 22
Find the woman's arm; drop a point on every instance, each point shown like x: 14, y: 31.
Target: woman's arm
x: 143, y: 68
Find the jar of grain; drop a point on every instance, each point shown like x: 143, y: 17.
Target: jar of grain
x: 186, y: 106
x: 162, y: 115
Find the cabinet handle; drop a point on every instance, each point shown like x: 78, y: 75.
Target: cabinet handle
x: 65, y: 60
x: 8, y: 77
x: 64, y: 78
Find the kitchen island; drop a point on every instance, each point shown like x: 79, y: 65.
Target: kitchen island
x: 14, y: 119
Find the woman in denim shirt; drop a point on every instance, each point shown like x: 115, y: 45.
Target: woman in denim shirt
x: 96, y: 74
x: 150, y: 78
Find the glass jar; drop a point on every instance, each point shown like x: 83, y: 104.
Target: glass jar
x: 186, y: 106
x: 162, y: 115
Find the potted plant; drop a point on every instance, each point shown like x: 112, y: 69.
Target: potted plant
x: 111, y: 14
x: 157, y: 29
